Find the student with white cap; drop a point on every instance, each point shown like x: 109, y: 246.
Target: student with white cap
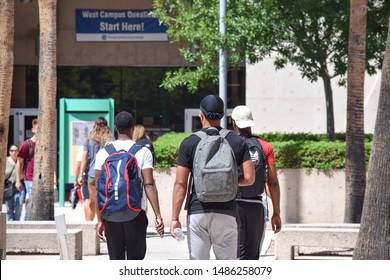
x: 250, y: 201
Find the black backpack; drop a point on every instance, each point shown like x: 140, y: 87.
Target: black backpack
x: 258, y: 159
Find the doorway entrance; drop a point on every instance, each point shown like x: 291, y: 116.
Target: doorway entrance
x: 21, y: 124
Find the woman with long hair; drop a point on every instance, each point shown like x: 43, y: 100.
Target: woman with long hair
x: 99, y: 137
x: 141, y: 138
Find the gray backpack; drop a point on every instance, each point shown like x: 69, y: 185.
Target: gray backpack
x: 215, y: 168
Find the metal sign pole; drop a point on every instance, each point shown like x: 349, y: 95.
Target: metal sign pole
x: 222, y: 61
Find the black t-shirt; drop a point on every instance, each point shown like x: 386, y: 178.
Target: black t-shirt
x: 186, y: 159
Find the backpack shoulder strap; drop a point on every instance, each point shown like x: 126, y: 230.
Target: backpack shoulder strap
x: 254, y: 140
x: 135, y: 148
x: 110, y: 149
x: 224, y: 132
x: 189, y: 190
x: 201, y: 134
x: 258, y: 142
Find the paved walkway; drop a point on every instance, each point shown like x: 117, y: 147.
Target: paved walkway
x: 165, y: 248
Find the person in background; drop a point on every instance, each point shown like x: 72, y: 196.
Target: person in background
x: 99, y: 136
x: 25, y: 165
x: 251, y: 203
x: 15, y: 204
x: 84, y: 187
x: 141, y: 138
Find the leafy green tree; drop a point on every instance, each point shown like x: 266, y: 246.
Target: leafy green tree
x: 312, y: 35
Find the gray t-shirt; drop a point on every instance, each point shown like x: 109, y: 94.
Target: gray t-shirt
x: 89, y: 146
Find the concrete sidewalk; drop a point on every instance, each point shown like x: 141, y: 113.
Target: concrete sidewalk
x: 158, y: 248
x: 165, y: 248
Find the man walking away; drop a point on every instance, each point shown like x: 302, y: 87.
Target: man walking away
x: 25, y: 165
x: 250, y: 200
x: 209, y: 224
x: 125, y: 230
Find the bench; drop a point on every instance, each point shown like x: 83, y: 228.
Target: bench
x: 314, y: 235
x: 91, y: 242
x: 44, y: 241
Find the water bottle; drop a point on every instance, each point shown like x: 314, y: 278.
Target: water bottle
x: 179, y: 234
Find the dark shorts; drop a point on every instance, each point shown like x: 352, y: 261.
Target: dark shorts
x: 85, y: 192
x: 84, y: 189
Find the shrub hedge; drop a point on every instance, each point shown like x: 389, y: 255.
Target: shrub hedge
x: 292, y: 150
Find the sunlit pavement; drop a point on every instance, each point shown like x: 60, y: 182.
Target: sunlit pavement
x: 166, y: 248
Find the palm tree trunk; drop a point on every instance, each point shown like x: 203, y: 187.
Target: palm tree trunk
x: 330, y: 134
x: 355, y: 167
x: 374, y: 236
x: 42, y: 204
x: 7, y: 8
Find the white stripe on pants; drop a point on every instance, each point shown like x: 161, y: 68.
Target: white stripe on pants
x: 212, y: 229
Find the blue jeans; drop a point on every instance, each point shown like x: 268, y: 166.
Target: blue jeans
x: 15, y: 206
x: 28, y: 185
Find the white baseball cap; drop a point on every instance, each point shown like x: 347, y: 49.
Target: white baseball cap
x: 242, y: 115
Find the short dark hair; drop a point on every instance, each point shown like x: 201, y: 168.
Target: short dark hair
x: 124, y: 120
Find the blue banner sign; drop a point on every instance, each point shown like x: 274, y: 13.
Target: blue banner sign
x: 118, y: 26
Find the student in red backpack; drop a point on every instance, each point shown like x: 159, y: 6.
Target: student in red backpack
x: 125, y: 231
x: 251, y: 201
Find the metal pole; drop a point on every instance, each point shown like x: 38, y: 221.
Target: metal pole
x: 222, y: 61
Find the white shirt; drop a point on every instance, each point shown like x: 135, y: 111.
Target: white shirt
x: 144, y: 156
x: 79, y: 156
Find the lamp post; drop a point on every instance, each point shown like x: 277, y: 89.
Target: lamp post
x: 222, y: 61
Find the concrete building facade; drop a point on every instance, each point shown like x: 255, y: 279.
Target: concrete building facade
x: 283, y: 101
x: 73, y: 53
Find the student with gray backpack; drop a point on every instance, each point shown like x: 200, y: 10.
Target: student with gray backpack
x: 251, y: 201
x: 210, y: 159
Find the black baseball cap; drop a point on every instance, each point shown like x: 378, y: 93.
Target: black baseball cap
x: 212, y: 107
x: 124, y: 120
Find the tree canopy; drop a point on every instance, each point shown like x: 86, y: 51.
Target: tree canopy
x: 313, y: 35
